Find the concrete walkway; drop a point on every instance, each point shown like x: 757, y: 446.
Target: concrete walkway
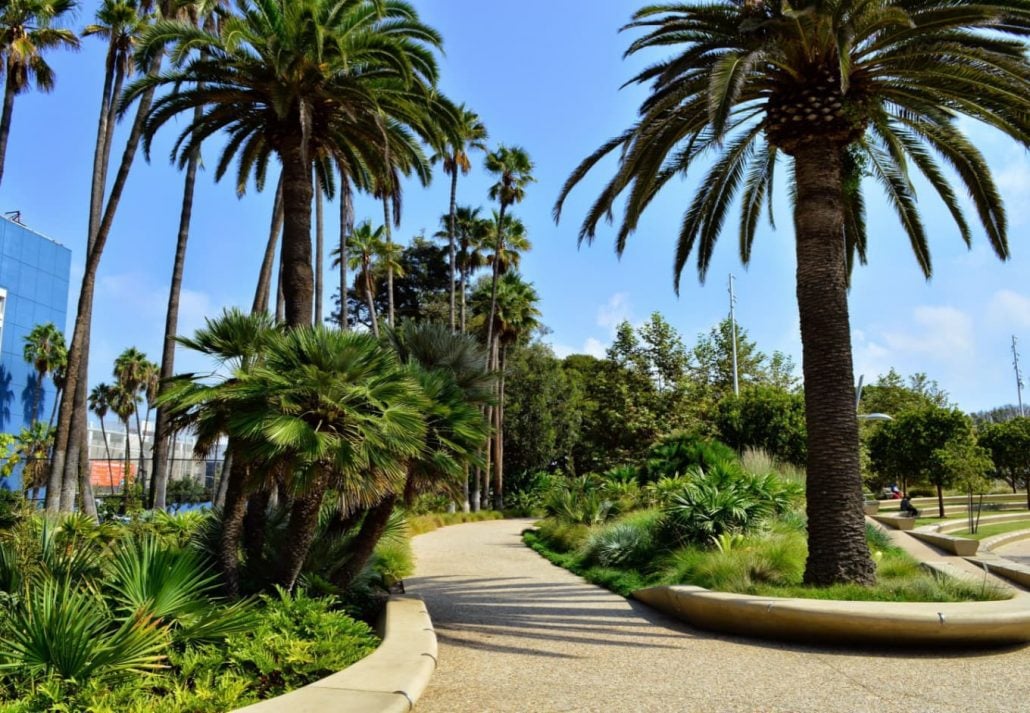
x: 1018, y: 551
x: 519, y: 634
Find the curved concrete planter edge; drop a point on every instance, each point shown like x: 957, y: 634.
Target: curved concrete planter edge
x: 389, y: 680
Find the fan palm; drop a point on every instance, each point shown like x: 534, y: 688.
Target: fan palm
x: 133, y: 373
x: 46, y: 351
x: 514, y: 171
x: 472, y: 235
x: 26, y: 33
x: 470, y: 136
x: 124, y: 403
x: 100, y: 403
x: 840, y: 86
x: 364, y: 245
x: 300, y: 80
x: 508, y: 244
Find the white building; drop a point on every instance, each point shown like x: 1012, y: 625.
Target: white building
x: 107, y: 463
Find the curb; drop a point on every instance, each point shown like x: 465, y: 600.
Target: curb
x: 999, y: 623
x: 1005, y: 538
x: 389, y: 680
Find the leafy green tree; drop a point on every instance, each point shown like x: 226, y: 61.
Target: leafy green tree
x: 45, y: 350
x: 1009, y: 445
x: 543, y: 412
x: 27, y: 32
x: 965, y: 464
x: 907, y: 448
x: 765, y: 417
x: 892, y: 395
x: 470, y: 136
x: 841, y: 88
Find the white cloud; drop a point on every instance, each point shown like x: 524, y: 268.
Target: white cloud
x: 616, y: 311
x: 593, y: 347
x: 1009, y: 309
x: 942, y: 332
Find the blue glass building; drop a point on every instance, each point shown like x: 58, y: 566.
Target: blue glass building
x: 34, y: 274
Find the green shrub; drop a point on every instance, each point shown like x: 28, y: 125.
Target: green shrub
x: 679, y: 452
x: 631, y: 542
x: 581, y: 501
x: 562, y: 536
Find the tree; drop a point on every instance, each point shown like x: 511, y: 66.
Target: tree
x: 908, y: 447
x: 470, y: 135
x: 764, y: 417
x: 133, y: 374
x: 26, y: 33
x: 514, y: 242
x: 324, y: 409
x: 364, y: 246
x: 471, y: 234
x: 891, y: 395
x: 841, y: 88
x: 966, y: 464
x: 100, y: 399
x: 1009, y: 446
x: 46, y: 351
x: 514, y: 171
x: 125, y: 403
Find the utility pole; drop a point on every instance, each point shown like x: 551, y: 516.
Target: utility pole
x: 733, y: 324
x: 1019, y: 376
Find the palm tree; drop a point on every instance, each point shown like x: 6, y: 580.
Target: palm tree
x: 32, y: 447
x: 26, y: 33
x: 238, y: 342
x: 471, y: 234
x: 125, y: 403
x: 326, y: 408
x: 509, y: 243
x: 364, y: 246
x: 514, y: 171
x: 516, y: 316
x: 46, y: 351
x: 349, y: 68
x: 133, y: 373
x: 842, y: 88
x: 99, y: 403
x: 470, y: 136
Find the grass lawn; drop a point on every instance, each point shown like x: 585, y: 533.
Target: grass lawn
x: 986, y: 531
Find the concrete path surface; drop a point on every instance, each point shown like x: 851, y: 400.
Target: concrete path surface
x: 518, y: 634
x: 1018, y: 551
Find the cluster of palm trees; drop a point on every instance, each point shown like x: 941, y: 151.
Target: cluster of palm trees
x: 341, y: 96
x: 135, y: 378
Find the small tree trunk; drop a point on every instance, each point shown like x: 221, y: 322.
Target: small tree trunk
x: 346, y: 222
x: 499, y: 429
x: 264, y: 284
x: 87, y: 502
x: 474, y: 494
x: 57, y: 400
x: 451, y: 238
x: 368, y: 296
x: 319, y: 249
x: 223, y: 482
x: 5, y: 117
x: 254, y: 527
x: 389, y: 264
x: 232, y: 530
x: 372, y: 528
x: 940, y: 500
x: 301, y: 533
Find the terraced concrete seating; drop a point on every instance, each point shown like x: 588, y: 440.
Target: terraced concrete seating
x: 1013, y: 571
x: 390, y: 680
x: 961, y: 546
x: 896, y: 521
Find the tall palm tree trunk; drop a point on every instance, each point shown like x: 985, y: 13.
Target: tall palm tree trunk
x: 107, y: 449
x: 368, y: 296
x: 127, y: 479
x: 159, y: 469
x: 264, y: 283
x: 65, y: 463
x: 53, y: 409
x: 346, y: 221
x: 10, y: 88
x: 102, y: 150
x: 464, y: 287
x: 496, y: 273
x: 389, y: 263
x: 499, y: 430
x: 451, y: 238
x: 372, y: 528
x: 301, y: 533
x: 232, y: 527
x: 837, y: 549
x: 319, y: 252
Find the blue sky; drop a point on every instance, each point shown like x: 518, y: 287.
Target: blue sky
x: 544, y: 75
